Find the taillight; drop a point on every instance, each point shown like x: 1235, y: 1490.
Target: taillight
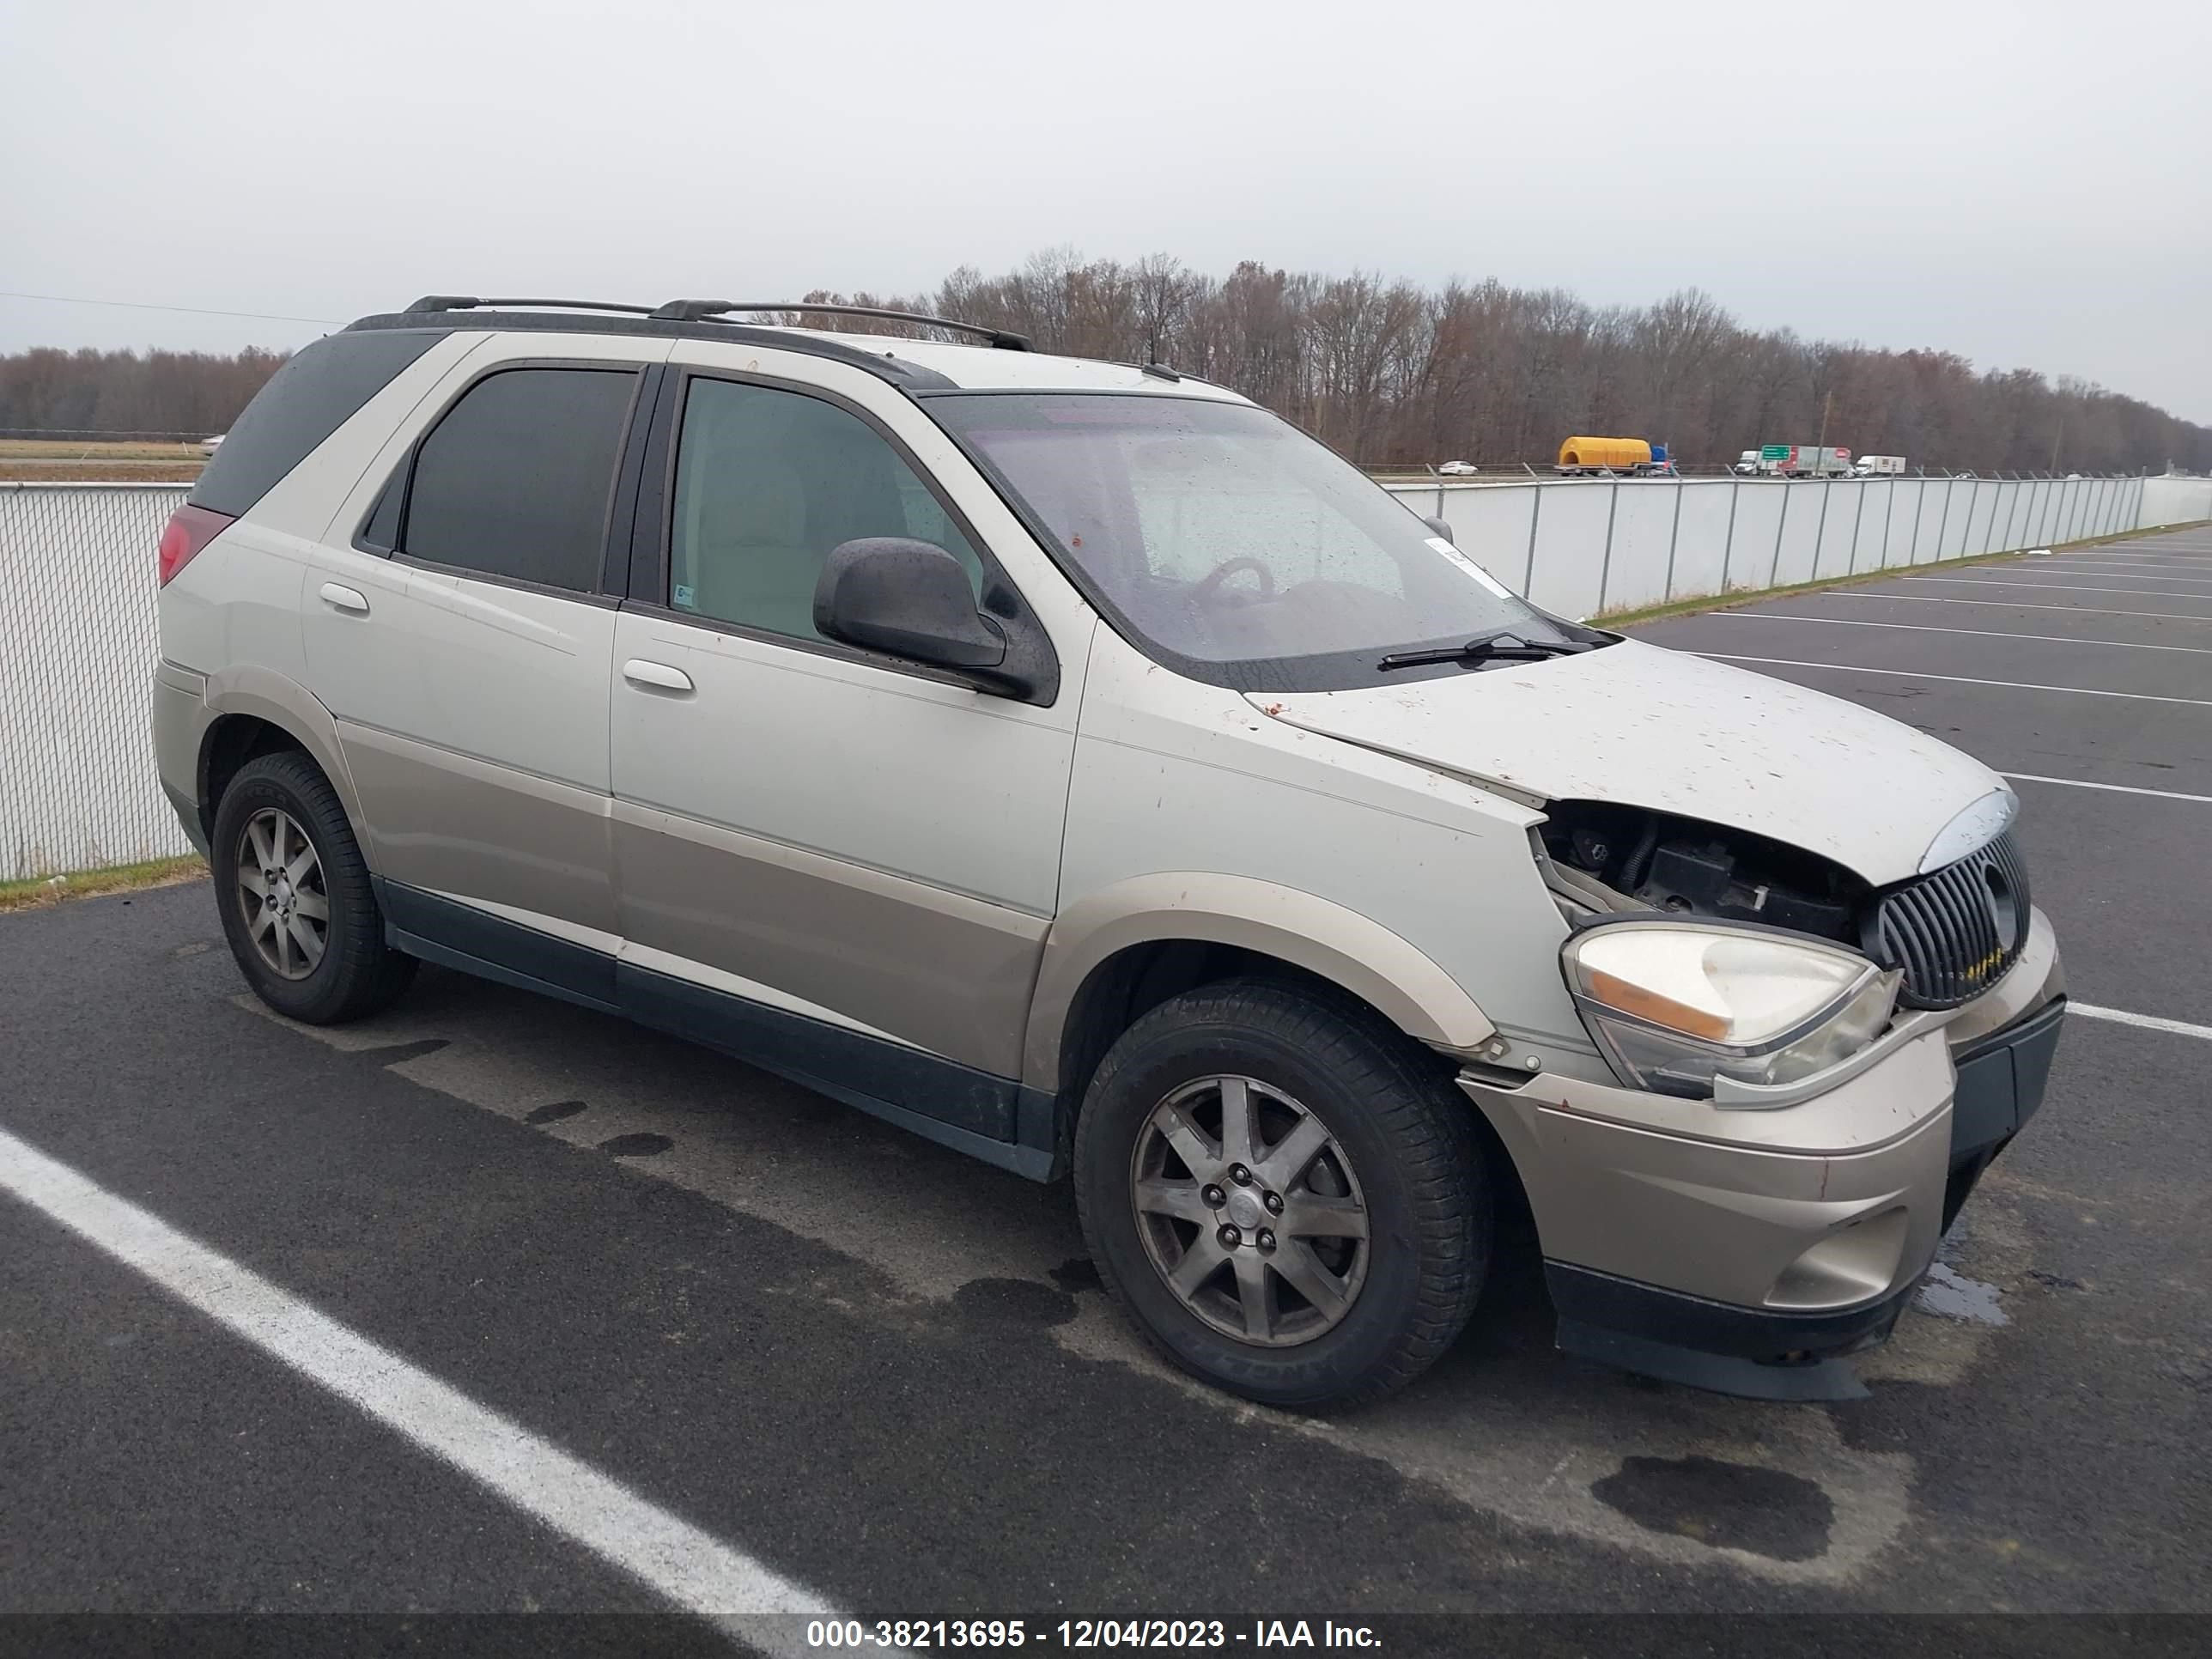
x: 190, y: 529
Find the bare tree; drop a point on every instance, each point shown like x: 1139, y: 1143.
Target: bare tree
x: 1388, y: 373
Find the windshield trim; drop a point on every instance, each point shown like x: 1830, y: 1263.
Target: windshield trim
x: 1333, y: 670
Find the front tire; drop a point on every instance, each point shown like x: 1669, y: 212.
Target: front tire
x: 1288, y: 1201
x: 294, y: 890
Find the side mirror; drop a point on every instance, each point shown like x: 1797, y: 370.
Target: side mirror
x: 1442, y: 528
x: 907, y: 598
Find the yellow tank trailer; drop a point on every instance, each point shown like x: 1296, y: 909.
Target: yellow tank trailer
x: 1581, y: 456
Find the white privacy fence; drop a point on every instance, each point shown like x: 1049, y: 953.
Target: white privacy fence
x: 2175, y: 501
x: 1580, y: 546
x: 77, y: 785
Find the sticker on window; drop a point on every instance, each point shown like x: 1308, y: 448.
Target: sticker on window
x: 1470, y: 567
x: 685, y: 596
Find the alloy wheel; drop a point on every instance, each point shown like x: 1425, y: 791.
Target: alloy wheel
x: 282, y: 895
x: 1250, y: 1210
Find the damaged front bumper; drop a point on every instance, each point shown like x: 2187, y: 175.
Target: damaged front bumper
x: 1749, y: 1251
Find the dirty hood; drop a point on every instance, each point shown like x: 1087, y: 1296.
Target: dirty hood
x: 1642, y: 727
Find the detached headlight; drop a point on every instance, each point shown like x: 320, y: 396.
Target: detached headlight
x: 1677, y: 1004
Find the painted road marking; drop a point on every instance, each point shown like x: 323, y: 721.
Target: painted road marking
x: 2149, y: 1022
x: 1980, y: 633
x: 2003, y: 604
x: 696, y: 1571
x: 2117, y: 788
x: 1955, y: 680
x: 2060, y: 587
x: 2114, y: 575
x: 2109, y: 575
x: 2117, y: 567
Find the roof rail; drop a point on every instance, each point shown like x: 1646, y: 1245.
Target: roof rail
x: 692, y: 311
x: 469, y: 302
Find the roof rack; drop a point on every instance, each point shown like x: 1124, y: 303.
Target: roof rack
x: 694, y: 310
x: 469, y: 302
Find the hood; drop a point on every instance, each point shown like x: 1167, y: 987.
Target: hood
x: 1638, y: 726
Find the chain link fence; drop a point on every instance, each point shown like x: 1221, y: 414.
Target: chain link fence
x: 77, y: 784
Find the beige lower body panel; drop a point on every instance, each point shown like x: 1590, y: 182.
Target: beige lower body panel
x: 448, y: 823
x: 1757, y: 1226
x: 941, y: 970
x: 181, y: 719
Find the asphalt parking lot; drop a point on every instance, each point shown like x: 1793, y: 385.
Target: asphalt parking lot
x: 576, y: 1280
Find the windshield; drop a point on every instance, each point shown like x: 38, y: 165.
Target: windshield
x: 1229, y: 541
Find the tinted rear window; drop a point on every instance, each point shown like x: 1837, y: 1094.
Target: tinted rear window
x: 310, y: 397
x: 514, y: 481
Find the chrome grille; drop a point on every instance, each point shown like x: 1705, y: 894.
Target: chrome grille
x: 1955, y: 931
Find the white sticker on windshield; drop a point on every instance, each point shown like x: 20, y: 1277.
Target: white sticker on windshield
x: 1471, y: 566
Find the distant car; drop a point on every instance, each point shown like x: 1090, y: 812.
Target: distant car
x: 211, y: 444
x: 1457, y: 469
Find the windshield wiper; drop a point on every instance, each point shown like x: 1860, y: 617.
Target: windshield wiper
x: 1491, y: 648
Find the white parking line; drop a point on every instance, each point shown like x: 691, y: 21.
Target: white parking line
x: 2002, y: 604
x: 2149, y: 1022
x: 1978, y: 633
x: 1954, y: 679
x: 2187, y: 567
x: 694, y: 1571
x: 2058, y: 587
x: 2117, y: 788
x: 2191, y: 577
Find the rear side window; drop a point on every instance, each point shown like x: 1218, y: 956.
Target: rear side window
x: 515, y: 480
x: 314, y: 394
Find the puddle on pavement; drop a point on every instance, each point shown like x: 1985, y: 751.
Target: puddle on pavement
x: 639, y: 1145
x: 1077, y: 1273
x: 1013, y: 1302
x: 1952, y: 1295
x: 1723, y: 1505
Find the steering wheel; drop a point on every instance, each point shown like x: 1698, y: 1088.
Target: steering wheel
x: 1209, y: 585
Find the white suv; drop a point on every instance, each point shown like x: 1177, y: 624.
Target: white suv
x: 1078, y: 765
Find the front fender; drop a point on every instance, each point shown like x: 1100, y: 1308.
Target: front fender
x: 1350, y: 950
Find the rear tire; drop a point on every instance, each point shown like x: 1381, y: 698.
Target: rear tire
x: 294, y: 892
x: 1325, y: 1254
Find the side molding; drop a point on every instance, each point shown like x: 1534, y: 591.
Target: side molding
x: 1341, y: 945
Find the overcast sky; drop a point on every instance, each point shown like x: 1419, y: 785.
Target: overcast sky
x: 2025, y: 184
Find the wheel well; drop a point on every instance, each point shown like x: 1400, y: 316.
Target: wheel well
x: 231, y: 742
x: 1130, y: 983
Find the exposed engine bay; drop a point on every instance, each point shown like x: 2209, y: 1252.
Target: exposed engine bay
x: 1603, y: 857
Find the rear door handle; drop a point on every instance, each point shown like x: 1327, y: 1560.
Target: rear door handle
x: 351, y: 600
x: 658, y: 675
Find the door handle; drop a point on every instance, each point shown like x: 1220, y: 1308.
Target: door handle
x: 658, y: 675
x: 350, y: 600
